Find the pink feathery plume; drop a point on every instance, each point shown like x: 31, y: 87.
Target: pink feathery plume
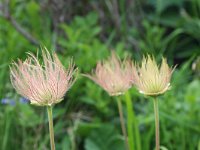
x: 113, y: 75
x: 43, y: 84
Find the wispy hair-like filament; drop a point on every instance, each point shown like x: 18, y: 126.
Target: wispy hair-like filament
x: 113, y: 75
x: 151, y: 79
x: 42, y: 84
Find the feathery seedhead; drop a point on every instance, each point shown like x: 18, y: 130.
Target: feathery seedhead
x: 43, y: 84
x: 150, y: 79
x: 113, y: 75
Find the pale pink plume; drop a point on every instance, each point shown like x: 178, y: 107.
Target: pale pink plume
x: 113, y: 75
x: 43, y: 84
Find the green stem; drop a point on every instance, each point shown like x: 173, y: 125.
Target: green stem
x: 122, y: 123
x: 130, y: 119
x: 132, y: 124
x: 156, y: 113
x: 51, y: 132
x: 7, y: 129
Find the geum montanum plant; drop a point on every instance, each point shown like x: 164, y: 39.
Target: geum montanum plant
x: 153, y: 80
x: 43, y: 84
x: 115, y: 77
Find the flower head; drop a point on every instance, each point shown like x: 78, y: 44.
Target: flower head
x: 43, y: 84
x: 113, y: 75
x: 150, y: 79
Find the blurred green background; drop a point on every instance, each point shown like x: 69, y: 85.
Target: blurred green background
x: 87, y: 119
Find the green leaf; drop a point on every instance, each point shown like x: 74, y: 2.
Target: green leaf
x: 66, y: 143
x: 104, y: 138
x: 28, y: 117
x: 85, y: 128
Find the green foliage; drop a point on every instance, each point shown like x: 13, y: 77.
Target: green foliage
x: 82, y: 41
x: 88, y: 118
x: 104, y: 138
x: 157, y: 42
x: 180, y: 21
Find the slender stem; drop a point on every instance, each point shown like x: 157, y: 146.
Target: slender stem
x: 122, y: 123
x: 156, y: 113
x: 130, y: 120
x: 132, y: 123
x: 51, y: 132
